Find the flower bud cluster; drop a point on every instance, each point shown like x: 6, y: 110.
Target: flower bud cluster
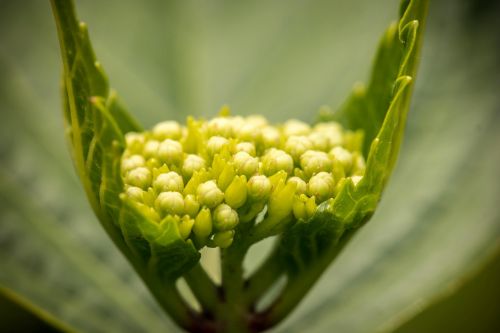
x: 210, y: 176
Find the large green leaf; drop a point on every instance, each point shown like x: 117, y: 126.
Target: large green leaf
x: 438, y: 218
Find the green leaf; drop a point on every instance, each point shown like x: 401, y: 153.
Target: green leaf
x: 397, y: 57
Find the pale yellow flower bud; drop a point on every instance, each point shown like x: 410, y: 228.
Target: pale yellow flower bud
x: 297, y: 145
x: 168, y: 182
x: 203, y: 223
x: 135, y: 193
x: 299, y: 207
x: 245, y: 164
x: 236, y: 193
x: 225, y: 218
x: 191, y: 205
x: 249, y: 132
x: 301, y: 186
x: 322, y: 186
x: 343, y: 156
x: 215, y: 145
x: 270, y: 137
x: 151, y: 149
x: 170, y: 203
x: 186, y: 224
x: 281, y: 200
x: 259, y: 187
x: 313, y: 162
x: 209, y: 194
x: 132, y: 162
x: 332, y: 131
x: 224, y: 239
x: 221, y: 126
x: 191, y: 164
x: 170, y: 152
x: 167, y: 130
x: 275, y: 160
x: 135, y: 142
x: 139, y: 177
x: 247, y: 147
x: 257, y: 120
x: 319, y: 141
x: 295, y: 127
x: 311, y: 206
x: 358, y: 164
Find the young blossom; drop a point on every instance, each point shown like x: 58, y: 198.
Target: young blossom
x: 232, y: 176
x: 164, y: 194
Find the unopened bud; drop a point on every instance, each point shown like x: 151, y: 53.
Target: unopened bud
x: 297, y: 145
x: 203, y: 223
x: 132, y: 162
x: 215, y: 145
x: 301, y: 186
x: 226, y: 176
x: 281, y: 200
x: 135, y: 142
x: 191, y: 205
x: 139, y: 177
x: 322, y: 186
x: 311, y: 206
x: 257, y: 120
x: 191, y: 164
x: 343, y: 156
x: 225, y: 218
x: 259, y: 187
x: 249, y: 132
x: 221, y: 126
x: 319, y: 141
x: 186, y: 224
x: 209, y: 194
x: 135, y: 193
x: 170, y: 203
x: 247, y: 147
x: 295, y: 127
x: 245, y: 164
x: 170, y: 152
x: 358, y: 164
x: 151, y: 149
x: 236, y: 193
x: 299, y: 207
x: 313, y: 162
x: 332, y: 132
x: 167, y: 130
x: 168, y: 182
x: 270, y: 137
x: 275, y: 160
x: 224, y: 239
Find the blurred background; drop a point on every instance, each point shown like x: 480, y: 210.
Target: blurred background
x: 427, y: 262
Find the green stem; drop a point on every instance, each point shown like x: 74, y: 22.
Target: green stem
x: 203, y: 288
x: 171, y: 301
x: 299, y: 285
x: 232, y: 311
x: 270, y: 226
x: 263, y: 278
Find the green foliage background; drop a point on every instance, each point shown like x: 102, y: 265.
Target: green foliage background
x: 438, y: 222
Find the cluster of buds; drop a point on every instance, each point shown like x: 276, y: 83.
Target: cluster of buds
x: 210, y: 176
